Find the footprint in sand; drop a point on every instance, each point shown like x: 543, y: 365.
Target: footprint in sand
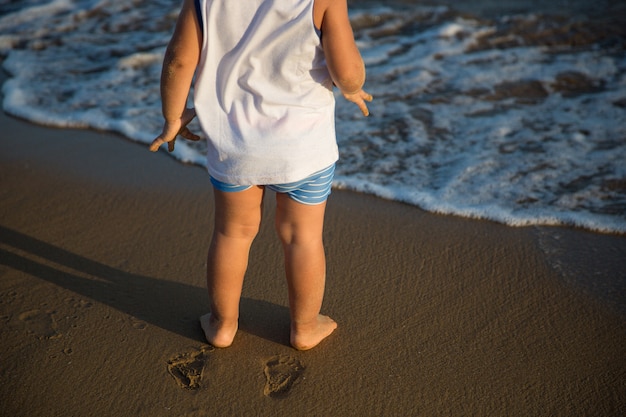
x: 138, y: 324
x: 281, y: 372
x: 187, y: 368
x: 78, y: 303
x: 40, y: 323
x: 8, y: 297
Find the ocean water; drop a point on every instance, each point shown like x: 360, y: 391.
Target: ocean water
x: 513, y: 114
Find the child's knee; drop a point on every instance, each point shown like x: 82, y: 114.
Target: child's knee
x: 290, y: 234
x: 247, y: 231
x: 285, y: 231
x: 302, y: 227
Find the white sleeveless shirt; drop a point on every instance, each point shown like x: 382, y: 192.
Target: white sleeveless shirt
x: 263, y: 94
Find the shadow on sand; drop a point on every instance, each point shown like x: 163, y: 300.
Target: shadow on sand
x: 172, y: 306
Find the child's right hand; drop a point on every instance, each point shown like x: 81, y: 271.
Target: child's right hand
x: 359, y: 98
x: 171, y: 129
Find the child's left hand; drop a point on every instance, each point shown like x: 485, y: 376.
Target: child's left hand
x: 171, y: 129
x: 359, y: 98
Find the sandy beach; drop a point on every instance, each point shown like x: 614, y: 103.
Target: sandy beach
x: 102, y: 262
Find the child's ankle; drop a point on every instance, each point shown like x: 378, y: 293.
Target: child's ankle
x: 219, y: 333
x: 307, y: 335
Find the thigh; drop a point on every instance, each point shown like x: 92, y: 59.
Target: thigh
x: 238, y: 214
x: 297, y: 222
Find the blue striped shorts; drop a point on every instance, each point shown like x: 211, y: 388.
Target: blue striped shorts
x: 312, y: 190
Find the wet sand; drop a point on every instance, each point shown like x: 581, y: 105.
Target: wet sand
x: 102, y: 262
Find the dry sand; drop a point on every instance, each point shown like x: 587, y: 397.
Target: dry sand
x: 102, y: 253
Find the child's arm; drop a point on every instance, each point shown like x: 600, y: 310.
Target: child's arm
x: 342, y: 55
x: 179, y: 65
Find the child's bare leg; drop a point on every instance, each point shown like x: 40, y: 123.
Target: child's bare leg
x: 300, y: 229
x: 237, y: 220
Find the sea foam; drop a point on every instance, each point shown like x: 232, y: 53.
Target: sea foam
x: 519, y: 119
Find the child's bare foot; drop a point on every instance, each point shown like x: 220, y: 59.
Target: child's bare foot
x: 307, y: 336
x: 218, y: 334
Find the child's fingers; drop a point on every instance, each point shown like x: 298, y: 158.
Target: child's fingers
x: 363, y: 108
x: 364, y: 97
x: 186, y: 133
x: 156, y: 144
x: 189, y: 135
x: 359, y: 98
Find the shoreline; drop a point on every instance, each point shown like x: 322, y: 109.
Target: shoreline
x: 565, y: 195
x: 102, y: 264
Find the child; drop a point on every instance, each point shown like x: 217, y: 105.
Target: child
x: 264, y: 71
